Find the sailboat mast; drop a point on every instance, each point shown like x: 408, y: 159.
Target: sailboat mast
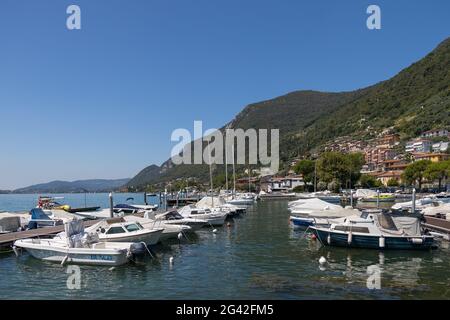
x: 234, y: 174
x: 226, y: 168
x: 210, y: 175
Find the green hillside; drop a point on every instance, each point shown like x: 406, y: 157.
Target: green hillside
x: 415, y: 100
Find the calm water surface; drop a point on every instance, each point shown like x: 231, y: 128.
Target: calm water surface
x: 258, y: 257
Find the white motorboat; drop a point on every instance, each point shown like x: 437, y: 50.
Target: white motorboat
x: 219, y: 203
x: 77, y: 247
x: 419, y: 204
x: 322, y: 195
x: 439, y: 211
x: 214, y: 218
x: 174, y: 218
x: 245, y: 199
x: 119, y: 230
x: 306, y: 206
x: 368, y: 195
x: 169, y: 230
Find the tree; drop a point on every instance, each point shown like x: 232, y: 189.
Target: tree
x: 368, y: 181
x: 414, y: 173
x: 339, y: 167
x: 392, y: 183
x: 438, y: 171
x: 306, y: 169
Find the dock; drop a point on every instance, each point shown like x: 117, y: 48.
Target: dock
x: 7, y: 239
x: 438, y: 225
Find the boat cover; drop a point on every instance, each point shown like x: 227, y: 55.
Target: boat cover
x: 409, y: 225
x: 207, y: 202
x: 313, y: 204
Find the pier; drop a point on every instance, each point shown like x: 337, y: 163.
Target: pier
x: 439, y: 225
x: 7, y: 239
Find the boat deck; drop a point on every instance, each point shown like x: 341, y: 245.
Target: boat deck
x: 8, y: 239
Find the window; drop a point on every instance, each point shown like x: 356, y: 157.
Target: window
x: 352, y: 229
x: 132, y: 227
x: 115, y: 230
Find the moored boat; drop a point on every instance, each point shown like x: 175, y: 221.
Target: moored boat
x: 376, y: 229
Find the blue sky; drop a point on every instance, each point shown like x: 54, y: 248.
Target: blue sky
x: 101, y: 102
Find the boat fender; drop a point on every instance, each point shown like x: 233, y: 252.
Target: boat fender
x: 16, y: 251
x: 180, y: 236
x: 349, y: 238
x: 329, y: 239
x: 214, y: 230
x: 171, y: 260
x: 381, y: 242
x: 322, y: 260
x: 417, y: 240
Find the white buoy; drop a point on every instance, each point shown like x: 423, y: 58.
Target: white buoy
x: 322, y: 260
x: 214, y: 230
x: 329, y: 239
x: 381, y: 242
x: 112, y: 268
x: 180, y: 236
x: 349, y: 239
x: 171, y: 260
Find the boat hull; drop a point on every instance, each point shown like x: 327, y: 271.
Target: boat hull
x: 339, y: 239
x: 77, y: 255
x: 149, y: 238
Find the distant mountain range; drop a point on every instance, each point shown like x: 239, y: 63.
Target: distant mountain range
x: 93, y: 185
x: 415, y: 100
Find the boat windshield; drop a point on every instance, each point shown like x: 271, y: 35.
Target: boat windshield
x: 132, y: 227
x: 115, y: 230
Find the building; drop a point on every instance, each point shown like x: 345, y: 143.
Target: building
x: 440, y: 147
x: 393, y: 165
x: 373, y: 156
x: 287, y: 183
x: 390, y: 175
x: 435, y: 133
x: 388, y: 140
x: 418, y: 145
x: 433, y: 157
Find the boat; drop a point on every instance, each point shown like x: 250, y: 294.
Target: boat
x: 306, y: 206
x: 219, y: 203
x: 439, y: 211
x: 419, y: 204
x: 243, y: 199
x: 327, y: 196
x: 50, y: 203
x: 39, y: 219
x: 127, y: 209
x: 214, y: 218
x: 174, y: 218
x: 75, y: 246
x: 367, y: 195
x: 376, y: 229
x: 169, y: 230
x: 119, y: 230
x: 322, y: 217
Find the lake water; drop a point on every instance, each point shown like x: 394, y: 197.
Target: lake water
x: 259, y: 256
